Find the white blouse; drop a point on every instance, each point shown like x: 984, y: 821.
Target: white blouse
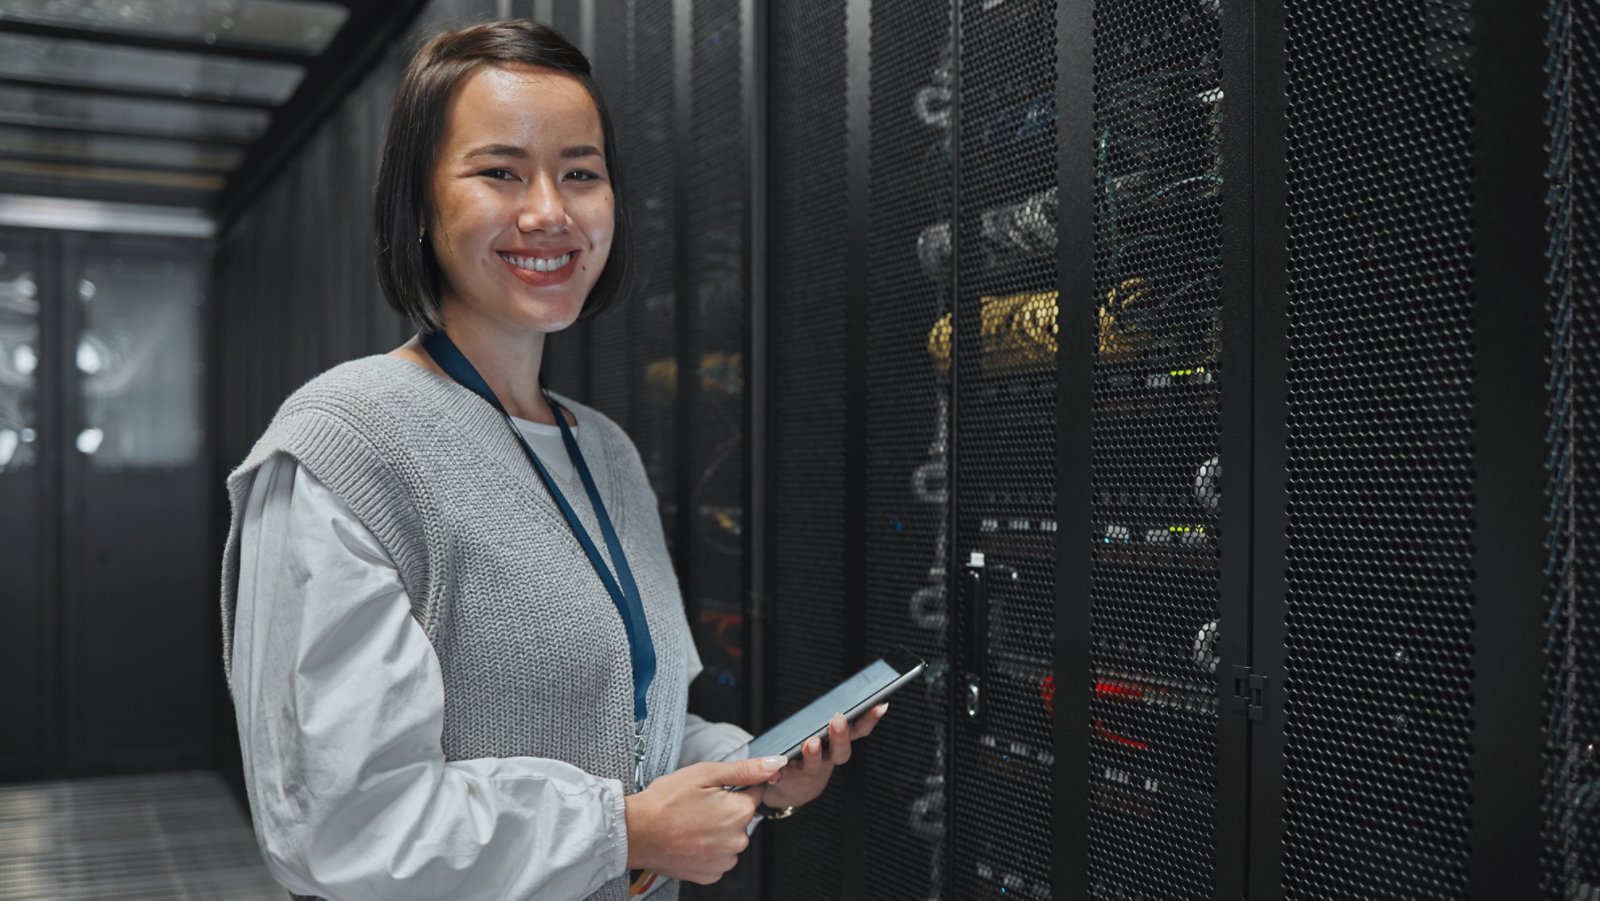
x: 340, y: 705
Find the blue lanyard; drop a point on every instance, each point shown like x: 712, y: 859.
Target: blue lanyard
x: 626, y: 594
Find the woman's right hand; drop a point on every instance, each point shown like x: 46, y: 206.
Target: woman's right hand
x: 686, y: 825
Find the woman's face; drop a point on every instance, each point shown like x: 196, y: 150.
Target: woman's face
x: 522, y: 210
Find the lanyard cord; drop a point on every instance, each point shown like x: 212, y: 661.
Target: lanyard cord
x: 624, y: 592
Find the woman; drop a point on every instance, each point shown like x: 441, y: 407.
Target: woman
x: 455, y: 643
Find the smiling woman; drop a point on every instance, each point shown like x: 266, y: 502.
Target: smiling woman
x: 520, y: 191
x: 444, y: 688
x: 472, y: 107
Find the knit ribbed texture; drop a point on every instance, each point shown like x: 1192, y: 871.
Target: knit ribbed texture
x: 534, y: 653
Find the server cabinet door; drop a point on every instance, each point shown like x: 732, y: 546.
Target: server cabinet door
x: 713, y: 332
x: 814, y: 588
x: 1378, y: 378
x: 138, y: 588
x: 1156, y: 508
x: 1002, y: 666
x: 28, y: 695
x: 898, y: 77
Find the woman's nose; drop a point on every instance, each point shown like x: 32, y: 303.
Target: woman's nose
x: 542, y: 207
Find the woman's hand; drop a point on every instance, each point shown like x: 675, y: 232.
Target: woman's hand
x: 803, y: 780
x: 688, y: 826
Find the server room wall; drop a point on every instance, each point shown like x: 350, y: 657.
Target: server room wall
x: 945, y: 317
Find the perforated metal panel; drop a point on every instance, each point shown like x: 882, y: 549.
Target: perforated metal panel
x: 1157, y: 472
x: 717, y: 306
x: 1379, y: 600
x: 613, y: 377
x: 806, y: 322
x: 649, y: 356
x: 908, y: 438
x: 1571, y: 839
x: 1005, y: 434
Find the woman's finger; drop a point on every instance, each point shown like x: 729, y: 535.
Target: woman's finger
x: 864, y: 725
x: 839, y: 740
x: 811, y: 753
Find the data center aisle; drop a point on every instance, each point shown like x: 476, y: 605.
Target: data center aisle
x: 174, y: 835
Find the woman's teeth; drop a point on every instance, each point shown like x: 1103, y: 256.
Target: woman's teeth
x: 538, y: 264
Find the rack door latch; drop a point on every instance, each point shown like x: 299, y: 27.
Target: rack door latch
x: 1249, y: 695
x: 976, y: 590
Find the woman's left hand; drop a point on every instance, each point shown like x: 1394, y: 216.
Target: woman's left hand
x: 804, y: 779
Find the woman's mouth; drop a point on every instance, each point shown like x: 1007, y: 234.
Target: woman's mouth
x: 541, y: 270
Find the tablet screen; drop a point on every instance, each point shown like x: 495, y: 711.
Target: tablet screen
x: 796, y: 729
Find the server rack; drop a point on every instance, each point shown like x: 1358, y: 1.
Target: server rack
x: 1570, y: 784
x: 1037, y: 269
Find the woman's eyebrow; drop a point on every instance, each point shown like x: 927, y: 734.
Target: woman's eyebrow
x: 508, y: 150
x: 515, y: 152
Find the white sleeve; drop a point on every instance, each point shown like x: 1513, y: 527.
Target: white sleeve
x: 709, y: 741
x: 340, y: 705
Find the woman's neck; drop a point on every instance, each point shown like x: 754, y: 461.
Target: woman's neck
x: 508, y: 361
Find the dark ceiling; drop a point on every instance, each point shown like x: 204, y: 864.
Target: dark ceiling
x: 192, y: 103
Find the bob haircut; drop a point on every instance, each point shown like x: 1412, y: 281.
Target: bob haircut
x: 407, y: 271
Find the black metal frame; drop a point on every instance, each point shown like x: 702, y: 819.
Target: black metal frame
x: 1267, y: 478
x: 1075, y: 311
x: 1235, y: 557
x: 1509, y: 479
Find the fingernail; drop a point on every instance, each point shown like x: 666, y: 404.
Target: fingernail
x: 883, y: 708
x: 839, y: 722
x: 773, y: 764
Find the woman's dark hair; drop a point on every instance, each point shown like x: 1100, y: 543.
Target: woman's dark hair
x: 407, y: 271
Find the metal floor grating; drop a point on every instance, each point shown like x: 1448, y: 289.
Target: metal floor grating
x: 174, y: 835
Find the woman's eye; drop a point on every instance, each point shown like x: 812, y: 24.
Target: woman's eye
x: 499, y: 174
x: 582, y: 175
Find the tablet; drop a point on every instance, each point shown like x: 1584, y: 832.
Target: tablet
x: 852, y: 697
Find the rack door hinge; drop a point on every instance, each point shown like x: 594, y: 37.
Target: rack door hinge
x: 1249, y: 695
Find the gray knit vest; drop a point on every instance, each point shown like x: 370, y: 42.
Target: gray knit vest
x: 534, y: 653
